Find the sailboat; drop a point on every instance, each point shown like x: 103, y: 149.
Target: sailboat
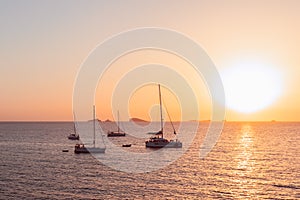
x: 74, y: 136
x: 81, y: 148
x: 159, y: 141
x: 118, y: 133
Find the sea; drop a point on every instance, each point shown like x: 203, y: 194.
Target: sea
x: 251, y: 160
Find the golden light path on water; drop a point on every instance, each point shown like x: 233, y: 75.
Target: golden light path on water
x: 245, y: 162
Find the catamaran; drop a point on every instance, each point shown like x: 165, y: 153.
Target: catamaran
x: 81, y: 148
x: 117, y: 133
x: 159, y: 141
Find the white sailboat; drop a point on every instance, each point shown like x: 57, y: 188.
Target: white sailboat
x: 81, y: 148
x: 159, y: 141
x: 74, y: 136
x: 117, y: 133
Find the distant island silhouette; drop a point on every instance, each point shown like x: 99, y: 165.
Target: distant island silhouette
x: 131, y: 120
x: 137, y: 120
x: 93, y: 120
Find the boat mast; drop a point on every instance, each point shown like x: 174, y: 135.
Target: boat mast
x: 74, y: 124
x: 118, y: 122
x: 161, y: 117
x: 94, y: 114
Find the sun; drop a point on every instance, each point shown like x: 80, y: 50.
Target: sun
x: 251, y: 86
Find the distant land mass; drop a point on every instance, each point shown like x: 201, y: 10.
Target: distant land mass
x: 131, y: 120
x: 137, y: 120
x: 93, y: 120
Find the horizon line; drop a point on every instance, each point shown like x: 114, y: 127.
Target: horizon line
x: 108, y: 120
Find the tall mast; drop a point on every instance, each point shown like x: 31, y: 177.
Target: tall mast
x: 161, y: 117
x: 74, y: 123
x: 94, y: 114
x: 118, y: 122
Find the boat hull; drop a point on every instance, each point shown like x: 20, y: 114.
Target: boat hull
x: 73, y: 137
x: 169, y: 145
x: 90, y: 150
x: 163, y: 143
x: 82, y: 149
x: 116, y: 134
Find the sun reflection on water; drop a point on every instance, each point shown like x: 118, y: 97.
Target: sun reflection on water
x: 245, y: 170
x: 245, y: 162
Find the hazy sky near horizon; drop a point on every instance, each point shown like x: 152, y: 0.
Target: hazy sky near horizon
x: 43, y: 44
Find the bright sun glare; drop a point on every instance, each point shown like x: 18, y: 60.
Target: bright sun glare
x: 251, y: 86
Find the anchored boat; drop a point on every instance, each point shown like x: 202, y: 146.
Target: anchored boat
x: 158, y: 141
x: 117, y: 133
x: 81, y: 148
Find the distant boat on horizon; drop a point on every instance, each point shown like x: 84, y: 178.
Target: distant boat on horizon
x: 81, y: 148
x: 117, y: 133
x: 159, y: 141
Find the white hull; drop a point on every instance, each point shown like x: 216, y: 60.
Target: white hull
x: 157, y: 142
x: 160, y: 145
x: 174, y: 144
x: 96, y: 150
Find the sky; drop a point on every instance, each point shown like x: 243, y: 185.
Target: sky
x: 44, y: 44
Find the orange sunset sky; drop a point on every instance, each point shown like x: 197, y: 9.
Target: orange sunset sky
x: 254, y: 45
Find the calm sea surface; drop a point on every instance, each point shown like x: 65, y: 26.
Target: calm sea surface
x: 250, y: 161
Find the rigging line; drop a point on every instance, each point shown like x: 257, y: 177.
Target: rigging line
x: 99, y: 128
x: 121, y: 124
x: 94, y: 125
x: 169, y: 117
x: 74, y: 123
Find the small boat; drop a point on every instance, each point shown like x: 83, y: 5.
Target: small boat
x: 159, y: 141
x: 117, y: 133
x: 153, y: 133
x: 81, y: 148
x: 65, y: 150
x: 74, y: 136
x: 126, y: 145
